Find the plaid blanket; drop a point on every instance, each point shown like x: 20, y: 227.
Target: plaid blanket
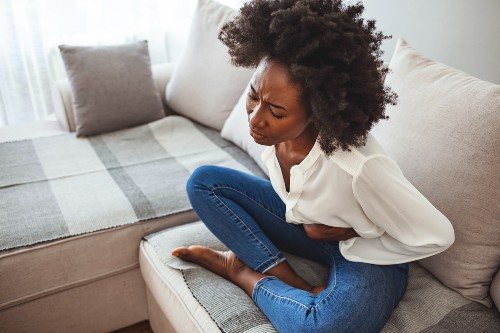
x: 61, y: 186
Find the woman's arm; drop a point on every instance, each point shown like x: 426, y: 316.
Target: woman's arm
x: 326, y: 233
x: 414, y: 228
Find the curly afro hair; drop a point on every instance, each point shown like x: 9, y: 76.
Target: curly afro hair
x: 329, y: 50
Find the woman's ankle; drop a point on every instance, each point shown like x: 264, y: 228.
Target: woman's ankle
x: 287, y: 274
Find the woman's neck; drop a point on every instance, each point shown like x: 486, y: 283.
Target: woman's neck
x: 298, y: 148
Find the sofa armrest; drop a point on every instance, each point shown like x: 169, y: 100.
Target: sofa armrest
x: 63, y: 106
x: 162, y: 73
x: 31, y: 130
x: 62, y: 99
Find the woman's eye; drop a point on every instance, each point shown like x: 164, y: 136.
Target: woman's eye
x: 275, y: 115
x: 252, y: 97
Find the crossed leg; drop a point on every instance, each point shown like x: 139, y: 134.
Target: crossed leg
x: 227, y: 265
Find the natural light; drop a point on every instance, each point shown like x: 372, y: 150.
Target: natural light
x: 31, y: 31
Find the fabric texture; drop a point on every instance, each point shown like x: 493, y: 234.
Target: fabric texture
x: 205, y: 86
x: 444, y: 133
x: 395, y: 221
x: 112, y: 87
x: 80, y: 185
x: 427, y: 305
x: 236, y: 130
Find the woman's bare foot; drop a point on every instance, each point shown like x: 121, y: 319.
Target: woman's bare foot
x: 316, y: 290
x: 225, y: 264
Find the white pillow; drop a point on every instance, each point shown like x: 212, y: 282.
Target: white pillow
x: 237, y: 131
x: 205, y: 86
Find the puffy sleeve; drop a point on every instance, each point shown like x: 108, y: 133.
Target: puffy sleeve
x: 413, y: 227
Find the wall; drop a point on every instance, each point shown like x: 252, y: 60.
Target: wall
x: 464, y: 34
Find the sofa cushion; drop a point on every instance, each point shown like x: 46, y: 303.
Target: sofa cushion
x: 62, y: 98
x: 444, y: 133
x: 190, y: 295
x: 112, y: 87
x: 237, y: 131
x: 204, y: 85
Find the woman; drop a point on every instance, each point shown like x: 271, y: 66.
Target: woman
x: 316, y: 93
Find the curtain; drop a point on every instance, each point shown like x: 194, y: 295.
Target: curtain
x: 31, y: 30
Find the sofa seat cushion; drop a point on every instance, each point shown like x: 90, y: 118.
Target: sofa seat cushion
x: 190, y: 296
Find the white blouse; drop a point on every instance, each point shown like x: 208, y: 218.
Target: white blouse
x: 396, y: 223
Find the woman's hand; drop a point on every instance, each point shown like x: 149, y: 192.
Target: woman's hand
x: 326, y: 233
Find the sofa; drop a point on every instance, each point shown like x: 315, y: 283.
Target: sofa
x: 88, y: 221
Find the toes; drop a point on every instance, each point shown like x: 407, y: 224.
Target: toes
x: 193, y: 253
x: 179, y: 252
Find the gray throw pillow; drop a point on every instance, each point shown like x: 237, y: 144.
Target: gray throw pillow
x: 112, y: 87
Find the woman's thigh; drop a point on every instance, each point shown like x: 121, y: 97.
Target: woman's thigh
x: 248, y: 216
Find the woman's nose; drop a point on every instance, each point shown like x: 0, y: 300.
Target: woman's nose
x: 255, y: 118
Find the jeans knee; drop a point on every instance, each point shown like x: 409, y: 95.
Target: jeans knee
x: 197, y: 178
x: 200, y: 178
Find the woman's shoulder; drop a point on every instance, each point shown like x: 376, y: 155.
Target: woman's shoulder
x: 355, y: 160
x: 371, y: 147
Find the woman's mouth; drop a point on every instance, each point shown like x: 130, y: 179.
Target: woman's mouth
x: 256, y: 135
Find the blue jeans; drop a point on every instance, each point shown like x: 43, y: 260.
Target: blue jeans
x: 245, y: 213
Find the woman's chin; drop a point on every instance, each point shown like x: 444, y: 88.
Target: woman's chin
x: 262, y: 142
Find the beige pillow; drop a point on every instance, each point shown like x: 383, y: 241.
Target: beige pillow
x: 445, y: 135
x: 237, y: 131
x: 112, y: 87
x: 205, y: 86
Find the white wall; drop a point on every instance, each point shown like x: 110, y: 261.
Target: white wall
x: 464, y: 34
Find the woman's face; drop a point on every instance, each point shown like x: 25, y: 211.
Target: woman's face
x: 275, y: 113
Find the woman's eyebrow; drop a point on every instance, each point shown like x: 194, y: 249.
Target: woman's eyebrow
x: 272, y: 104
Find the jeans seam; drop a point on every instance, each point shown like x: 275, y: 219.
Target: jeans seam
x: 248, y: 197
x: 334, y: 271
x: 257, y: 203
x: 244, y: 224
x: 285, y: 298
x: 295, y: 301
x: 275, y: 263
x: 259, y: 283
